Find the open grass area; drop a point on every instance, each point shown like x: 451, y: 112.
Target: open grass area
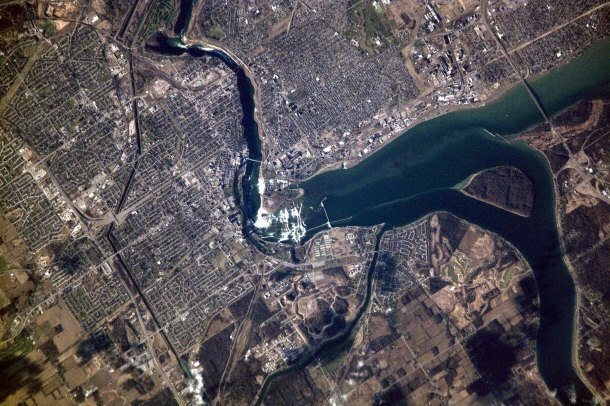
x: 4, y: 300
x: 508, y: 274
x: 48, y: 28
x: 3, y: 265
x: 365, y: 15
x: 18, y: 348
x: 449, y: 270
x: 370, y: 25
x: 163, y: 15
x: 215, y: 31
x: 332, y: 361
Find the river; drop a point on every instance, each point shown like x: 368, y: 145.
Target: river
x: 416, y: 173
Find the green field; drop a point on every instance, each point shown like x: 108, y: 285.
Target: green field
x: 214, y: 31
x: 508, y: 274
x: 365, y: 15
x: 48, y: 28
x: 369, y: 24
x: 3, y: 265
x: 163, y: 15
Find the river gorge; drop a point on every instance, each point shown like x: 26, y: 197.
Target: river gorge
x: 417, y: 173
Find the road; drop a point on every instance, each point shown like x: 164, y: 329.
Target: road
x: 560, y: 26
x: 513, y: 65
x: 127, y: 277
x: 576, y: 166
x: 533, y: 96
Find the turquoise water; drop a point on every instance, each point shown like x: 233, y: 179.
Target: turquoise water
x: 415, y: 174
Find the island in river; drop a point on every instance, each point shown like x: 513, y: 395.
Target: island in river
x: 505, y: 187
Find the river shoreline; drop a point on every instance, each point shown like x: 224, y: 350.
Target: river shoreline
x: 253, y: 82
x: 510, y: 114
x: 392, y: 157
x: 432, y: 114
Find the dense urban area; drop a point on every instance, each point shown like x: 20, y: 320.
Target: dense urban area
x: 128, y: 277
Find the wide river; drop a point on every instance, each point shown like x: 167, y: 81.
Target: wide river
x: 416, y: 173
